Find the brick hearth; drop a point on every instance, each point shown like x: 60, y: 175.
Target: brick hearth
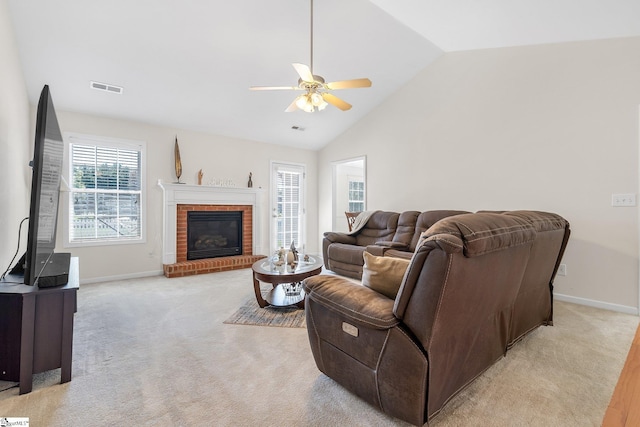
x: 183, y: 267
x: 211, y: 265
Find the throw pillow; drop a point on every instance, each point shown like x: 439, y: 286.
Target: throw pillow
x: 383, y: 274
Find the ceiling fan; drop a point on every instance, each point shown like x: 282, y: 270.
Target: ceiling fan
x: 316, y: 91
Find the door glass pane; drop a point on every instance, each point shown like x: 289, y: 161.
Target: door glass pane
x: 288, y: 207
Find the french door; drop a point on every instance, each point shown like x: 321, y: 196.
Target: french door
x: 287, y: 206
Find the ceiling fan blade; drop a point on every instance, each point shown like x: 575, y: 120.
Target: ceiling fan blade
x: 336, y: 102
x: 274, y: 88
x: 349, y: 84
x: 304, y: 72
x: 292, y: 107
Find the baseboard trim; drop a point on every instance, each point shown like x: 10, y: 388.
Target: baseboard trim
x: 122, y: 277
x: 597, y: 304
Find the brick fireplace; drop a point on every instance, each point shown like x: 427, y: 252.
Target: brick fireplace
x: 180, y: 199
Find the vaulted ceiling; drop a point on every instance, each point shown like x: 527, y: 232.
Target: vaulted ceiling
x: 188, y: 64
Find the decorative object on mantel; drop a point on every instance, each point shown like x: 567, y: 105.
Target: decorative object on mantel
x: 178, y: 161
x: 200, y: 175
x: 250, y: 183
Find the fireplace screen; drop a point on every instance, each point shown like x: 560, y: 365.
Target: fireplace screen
x: 213, y: 234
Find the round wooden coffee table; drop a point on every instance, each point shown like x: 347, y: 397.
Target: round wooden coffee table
x: 286, y: 281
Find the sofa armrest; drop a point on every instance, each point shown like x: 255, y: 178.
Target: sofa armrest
x: 381, y: 247
x: 376, y: 250
x: 335, y: 237
x: 359, y: 303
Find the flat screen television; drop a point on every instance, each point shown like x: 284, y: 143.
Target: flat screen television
x: 41, y: 266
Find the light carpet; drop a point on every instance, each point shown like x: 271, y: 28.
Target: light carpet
x: 155, y: 351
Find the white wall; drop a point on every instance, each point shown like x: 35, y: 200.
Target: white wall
x: 16, y: 144
x: 550, y: 127
x: 217, y: 156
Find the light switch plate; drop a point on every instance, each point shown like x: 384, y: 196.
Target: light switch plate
x: 623, y: 200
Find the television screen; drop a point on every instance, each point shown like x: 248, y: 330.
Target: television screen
x: 45, y: 189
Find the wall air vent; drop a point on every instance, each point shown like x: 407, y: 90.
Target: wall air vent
x: 106, y: 87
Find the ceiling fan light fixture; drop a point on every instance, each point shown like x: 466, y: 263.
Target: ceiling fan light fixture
x: 309, y: 108
x: 316, y: 99
x: 311, y: 101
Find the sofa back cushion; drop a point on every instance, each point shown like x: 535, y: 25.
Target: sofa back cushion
x: 425, y: 220
x: 406, y: 227
x: 381, y: 226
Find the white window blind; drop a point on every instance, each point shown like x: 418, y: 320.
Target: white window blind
x: 105, y: 200
x: 288, y: 207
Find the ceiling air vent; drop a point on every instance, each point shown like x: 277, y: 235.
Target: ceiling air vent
x: 106, y: 87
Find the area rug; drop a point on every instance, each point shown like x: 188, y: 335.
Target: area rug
x: 251, y: 314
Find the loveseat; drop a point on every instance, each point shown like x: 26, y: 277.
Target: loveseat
x: 475, y: 285
x: 383, y: 233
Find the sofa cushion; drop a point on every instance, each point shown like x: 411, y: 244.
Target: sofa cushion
x: 383, y: 274
x: 349, y: 254
x: 406, y: 227
x: 380, y: 226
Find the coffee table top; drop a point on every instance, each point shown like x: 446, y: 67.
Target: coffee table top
x: 267, y: 268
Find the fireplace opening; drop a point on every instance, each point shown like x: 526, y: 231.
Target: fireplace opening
x: 214, y: 234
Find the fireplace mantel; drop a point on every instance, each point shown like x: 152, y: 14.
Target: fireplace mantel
x: 178, y: 194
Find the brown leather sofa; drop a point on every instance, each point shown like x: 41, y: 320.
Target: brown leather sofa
x: 475, y: 285
x: 385, y: 233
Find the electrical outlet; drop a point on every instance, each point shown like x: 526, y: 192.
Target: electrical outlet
x: 623, y: 199
x: 562, y: 270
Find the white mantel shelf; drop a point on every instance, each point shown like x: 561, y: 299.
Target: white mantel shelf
x: 185, y: 194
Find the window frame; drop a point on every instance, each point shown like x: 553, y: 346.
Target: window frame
x: 101, y: 141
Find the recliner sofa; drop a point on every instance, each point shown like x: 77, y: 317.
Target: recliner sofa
x: 475, y: 285
x: 384, y: 234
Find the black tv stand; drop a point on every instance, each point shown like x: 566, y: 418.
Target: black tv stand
x: 37, y: 329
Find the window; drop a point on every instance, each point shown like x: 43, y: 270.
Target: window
x: 288, y: 205
x: 356, y: 195
x: 106, y: 178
